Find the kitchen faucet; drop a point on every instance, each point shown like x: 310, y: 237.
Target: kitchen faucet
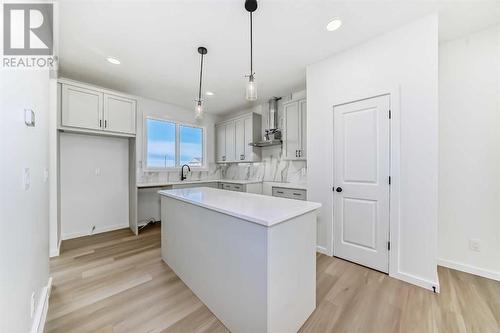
x: 182, y: 171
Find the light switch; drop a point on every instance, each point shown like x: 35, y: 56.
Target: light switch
x: 29, y: 117
x: 97, y: 171
x: 27, y: 179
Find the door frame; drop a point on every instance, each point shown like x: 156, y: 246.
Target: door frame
x: 394, y: 168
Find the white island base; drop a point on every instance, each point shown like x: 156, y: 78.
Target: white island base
x: 255, y: 274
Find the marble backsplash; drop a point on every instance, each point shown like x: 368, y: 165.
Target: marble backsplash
x: 272, y: 168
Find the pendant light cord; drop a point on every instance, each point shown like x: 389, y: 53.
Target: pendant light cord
x: 251, y: 46
x: 201, y: 77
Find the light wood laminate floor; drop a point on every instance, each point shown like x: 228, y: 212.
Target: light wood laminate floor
x: 117, y: 282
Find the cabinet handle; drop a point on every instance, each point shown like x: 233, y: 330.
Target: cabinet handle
x: 242, y: 157
x: 300, y: 153
x: 296, y: 193
x: 105, y: 124
x: 280, y: 192
x: 100, y: 123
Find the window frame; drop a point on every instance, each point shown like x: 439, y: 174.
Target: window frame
x: 203, y: 167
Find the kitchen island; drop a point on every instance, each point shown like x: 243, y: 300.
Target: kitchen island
x: 250, y: 258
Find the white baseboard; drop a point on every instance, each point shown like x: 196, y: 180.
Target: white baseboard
x: 322, y: 249
x: 71, y: 235
x: 469, y: 269
x: 412, y: 279
x: 41, y: 309
x: 55, y: 252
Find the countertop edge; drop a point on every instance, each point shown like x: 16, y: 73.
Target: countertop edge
x: 265, y: 223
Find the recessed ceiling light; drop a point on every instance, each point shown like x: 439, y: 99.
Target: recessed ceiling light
x: 209, y: 93
x: 334, y: 24
x: 114, y: 61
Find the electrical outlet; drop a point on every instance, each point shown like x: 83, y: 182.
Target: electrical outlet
x: 45, y: 175
x: 32, y: 305
x: 475, y: 244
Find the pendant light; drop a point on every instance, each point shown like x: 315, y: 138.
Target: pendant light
x: 251, y: 90
x: 199, y: 102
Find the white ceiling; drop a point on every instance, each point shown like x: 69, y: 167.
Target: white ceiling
x: 157, y: 42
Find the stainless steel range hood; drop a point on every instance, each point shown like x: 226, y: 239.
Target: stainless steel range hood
x: 266, y: 143
x: 273, y: 134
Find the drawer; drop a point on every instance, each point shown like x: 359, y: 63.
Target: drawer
x: 289, y: 193
x: 238, y: 187
x: 233, y: 187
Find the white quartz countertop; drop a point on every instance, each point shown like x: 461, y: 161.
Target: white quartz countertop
x: 261, y: 209
x: 298, y: 186
x: 204, y: 181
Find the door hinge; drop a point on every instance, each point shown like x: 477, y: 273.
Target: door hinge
x: 388, y: 246
x: 390, y: 114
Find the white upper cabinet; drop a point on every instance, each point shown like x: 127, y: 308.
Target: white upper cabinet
x: 240, y: 139
x: 220, y: 138
x: 81, y: 107
x: 90, y: 109
x: 230, y: 142
x: 294, y: 132
x: 234, y: 136
x: 119, y: 114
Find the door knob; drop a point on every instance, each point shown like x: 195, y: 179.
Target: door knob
x: 339, y: 189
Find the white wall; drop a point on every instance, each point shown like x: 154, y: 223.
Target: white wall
x: 54, y: 216
x: 24, y: 214
x: 405, y: 59
x: 94, y: 184
x: 469, y: 152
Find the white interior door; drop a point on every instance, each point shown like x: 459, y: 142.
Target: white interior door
x: 361, y: 196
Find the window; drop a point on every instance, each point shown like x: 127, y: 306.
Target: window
x: 170, y: 144
x: 191, y: 145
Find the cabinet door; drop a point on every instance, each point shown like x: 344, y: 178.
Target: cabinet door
x: 230, y: 142
x: 292, y: 130
x: 119, y: 114
x: 303, y: 129
x: 221, y: 143
x: 249, y: 150
x: 240, y: 139
x: 81, y: 107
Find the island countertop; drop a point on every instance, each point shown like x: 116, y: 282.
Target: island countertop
x: 261, y: 209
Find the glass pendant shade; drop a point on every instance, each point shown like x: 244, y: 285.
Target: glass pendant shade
x: 199, y: 110
x: 251, y: 89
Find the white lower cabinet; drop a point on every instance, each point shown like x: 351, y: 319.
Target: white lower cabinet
x: 96, y: 110
x: 249, y: 188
